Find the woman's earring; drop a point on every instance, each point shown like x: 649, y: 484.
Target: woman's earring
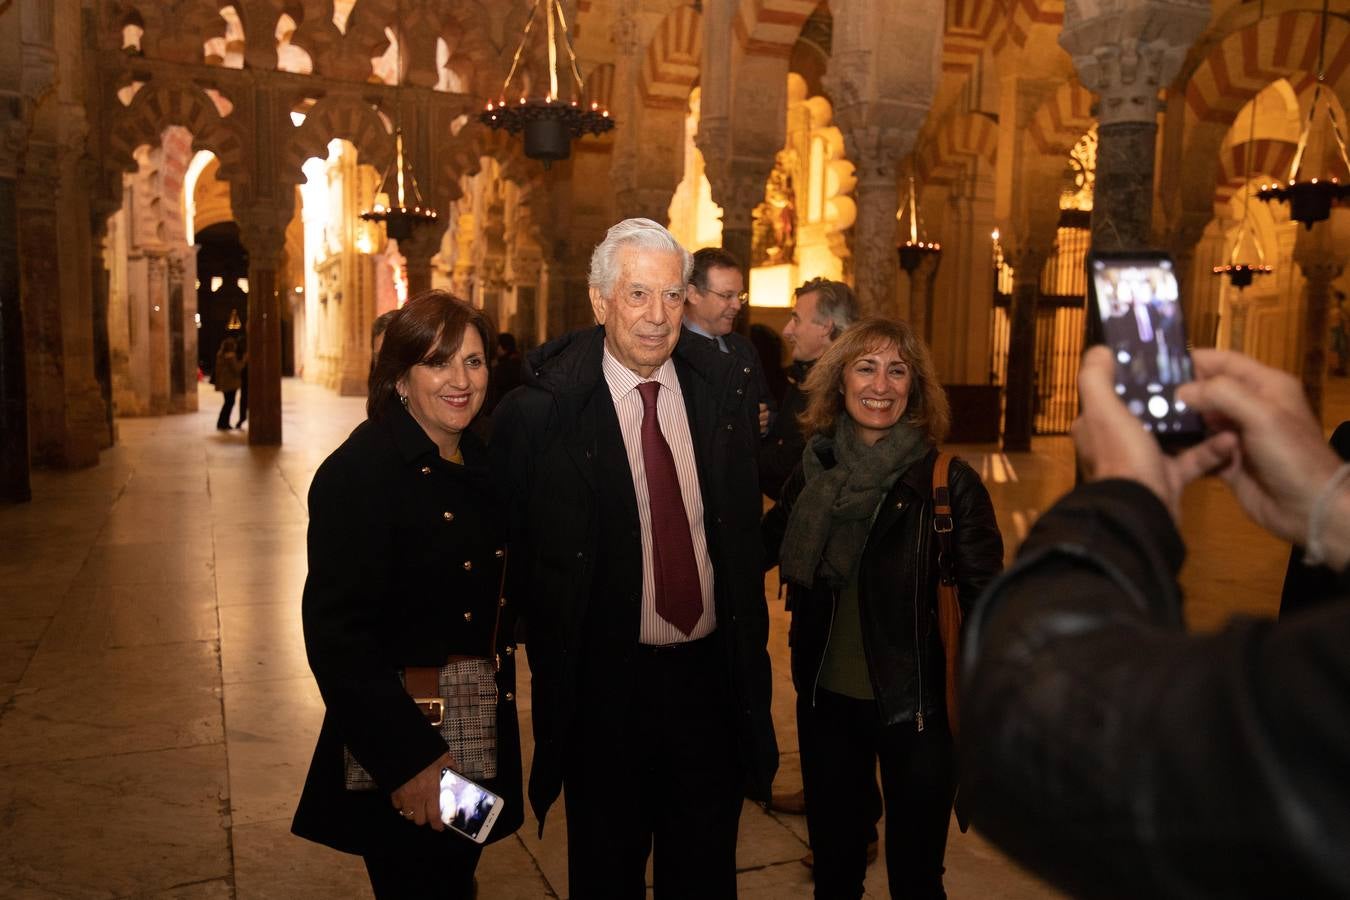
x: 403, y: 398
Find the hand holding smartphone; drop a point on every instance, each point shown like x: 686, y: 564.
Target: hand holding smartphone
x: 1135, y: 310
x: 468, y: 807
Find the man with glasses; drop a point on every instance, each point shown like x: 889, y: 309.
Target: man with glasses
x: 713, y: 299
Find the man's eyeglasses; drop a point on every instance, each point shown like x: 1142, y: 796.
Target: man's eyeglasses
x: 727, y: 296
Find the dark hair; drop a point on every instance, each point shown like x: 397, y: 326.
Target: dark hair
x: 507, y: 341
x: 835, y: 303
x: 710, y: 258
x: 381, y: 325
x: 429, y: 329
x: 927, y: 409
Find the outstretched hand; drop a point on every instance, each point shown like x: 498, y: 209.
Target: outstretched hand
x: 1112, y: 443
x: 1280, y: 460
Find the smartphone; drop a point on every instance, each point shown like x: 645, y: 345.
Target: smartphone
x: 1135, y: 310
x: 468, y: 807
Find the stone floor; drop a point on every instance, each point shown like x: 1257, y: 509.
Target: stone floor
x: 157, y: 713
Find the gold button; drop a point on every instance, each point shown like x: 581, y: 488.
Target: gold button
x: 448, y: 516
x: 746, y: 370
x: 468, y: 617
x: 468, y: 565
x: 510, y: 696
x: 426, y: 470
x: 501, y: 602
x: 510, y: 651
x: 499, y: 554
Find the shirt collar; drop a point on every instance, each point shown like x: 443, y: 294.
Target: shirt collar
x: 699, y: 330
x: 622, y: 380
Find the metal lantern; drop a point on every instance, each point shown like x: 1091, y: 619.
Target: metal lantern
x: 549, y: 124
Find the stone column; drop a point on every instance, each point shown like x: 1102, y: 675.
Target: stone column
x: 1319, y: 276
x: 14, y: 467
x: 54, y: 440
x: 1126, y: 71
x: 263, y: 233
x: 1020, y: 388
x: 873, y: 236
x: 417, y: 252
x: 157, y: 264
x: 882, y: 80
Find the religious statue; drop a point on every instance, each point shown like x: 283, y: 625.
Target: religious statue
x: 774, y: 237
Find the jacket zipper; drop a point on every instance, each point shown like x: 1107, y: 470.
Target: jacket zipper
x: 829, y: 632
x: 918, y: 643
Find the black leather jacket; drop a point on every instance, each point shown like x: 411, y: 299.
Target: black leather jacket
x: 899, y: 564
x: 1120, y: 756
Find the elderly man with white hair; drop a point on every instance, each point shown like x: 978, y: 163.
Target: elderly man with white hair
x: 626, y: 464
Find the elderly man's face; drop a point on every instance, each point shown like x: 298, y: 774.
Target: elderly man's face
x: 642, y: 314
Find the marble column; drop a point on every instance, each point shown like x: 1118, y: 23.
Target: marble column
x: 1020, y: 385
x: 157, y: 280
x: 264, y: 237
x: 873, y: 236
x: 55, y: 439
x: 417, y: 251
x: 14, y: 466
x: 1126, y: 70
x: 1319, y: 277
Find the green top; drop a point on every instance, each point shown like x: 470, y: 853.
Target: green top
x: 844, y: 669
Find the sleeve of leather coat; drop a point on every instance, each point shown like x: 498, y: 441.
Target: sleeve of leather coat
x: 979, y: 544
x: 350, y: 548
x: 1120, y: 756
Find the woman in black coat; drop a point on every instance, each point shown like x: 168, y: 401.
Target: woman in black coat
x: 853, y: 534
x: 405, y: 569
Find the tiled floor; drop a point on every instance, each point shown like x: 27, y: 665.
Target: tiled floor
x: 157, y: 713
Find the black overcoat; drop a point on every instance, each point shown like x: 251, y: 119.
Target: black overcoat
x: 577, y: 549
x: 406, y: 555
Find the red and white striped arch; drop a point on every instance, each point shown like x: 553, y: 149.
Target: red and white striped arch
x: 1270, y: 159
x: 1021, y: 16
x: 958, y: 138
x: 1279, y: 46
x: 771, y: 27
x: 970, y: 23
x: 1062, y: 119
x: 670, y: 67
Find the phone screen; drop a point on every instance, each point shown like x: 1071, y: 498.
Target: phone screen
x: 1139, y: 310
x: 467, y: 807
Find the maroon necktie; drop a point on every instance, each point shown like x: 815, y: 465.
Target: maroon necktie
x: 679, y: 595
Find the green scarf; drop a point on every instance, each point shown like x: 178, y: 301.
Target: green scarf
x: 828, y: 527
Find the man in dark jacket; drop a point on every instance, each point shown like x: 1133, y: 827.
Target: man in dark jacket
x: 628, y: 471
x: 821, y: 312
x: 1120, y: 756
x: 715, y: 297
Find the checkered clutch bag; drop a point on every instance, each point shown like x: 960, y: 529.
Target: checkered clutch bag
x: 468, y: 722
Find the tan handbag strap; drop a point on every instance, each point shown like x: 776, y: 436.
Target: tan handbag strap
x: 943, y: 523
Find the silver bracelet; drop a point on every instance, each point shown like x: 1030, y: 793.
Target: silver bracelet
x: 1314, y: 553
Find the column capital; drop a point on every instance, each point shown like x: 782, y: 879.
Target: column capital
x: 1115, y: 61
x: 262, y: 231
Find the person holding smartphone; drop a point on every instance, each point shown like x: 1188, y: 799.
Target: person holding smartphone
x: 1111, y: 751
x: 854, y: 535
x: 406, y: 557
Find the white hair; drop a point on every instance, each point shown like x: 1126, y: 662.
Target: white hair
x: 642, y: 233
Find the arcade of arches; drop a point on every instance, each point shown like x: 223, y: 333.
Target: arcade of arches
x: 175, y: 169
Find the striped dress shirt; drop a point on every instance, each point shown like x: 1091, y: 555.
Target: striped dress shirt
x: 670, y: 412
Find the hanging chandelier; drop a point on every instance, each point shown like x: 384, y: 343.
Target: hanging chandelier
x: 550, y: 124
x: 914, y: 250
x: 398, y: 203
x: 402, y: 209
x: 1310, y: 201
x: 1240, y: 275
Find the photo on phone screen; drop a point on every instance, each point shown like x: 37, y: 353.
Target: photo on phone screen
x: 468, y: 807
x: 1138, y: 308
